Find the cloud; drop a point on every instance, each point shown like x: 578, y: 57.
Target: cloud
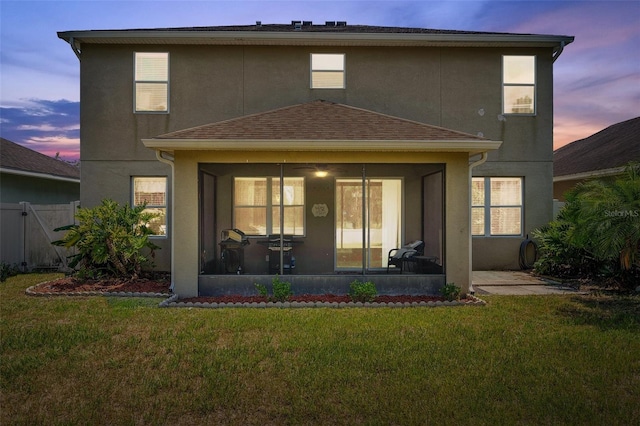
x: 45, y: 126
x: 597, y: 79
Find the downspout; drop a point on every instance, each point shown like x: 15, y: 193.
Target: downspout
x: 471, y: 167
x: 170, y: 161
x: 558, y: 52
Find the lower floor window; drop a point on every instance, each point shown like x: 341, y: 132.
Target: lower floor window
x: 153, y: 192
x: 256, y: 205
x: 496, y: 206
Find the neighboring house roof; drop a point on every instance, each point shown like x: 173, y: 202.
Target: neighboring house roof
x: 318, y: 126
x: 603, y: 153
x: 16, y: 159
x: 306, y: 33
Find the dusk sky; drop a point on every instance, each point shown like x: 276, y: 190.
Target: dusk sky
x: 596, y: 79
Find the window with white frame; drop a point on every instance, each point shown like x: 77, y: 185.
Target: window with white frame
x: 327, y: 71
x: 496, y: 206
x: 151, y: 82
x: 256, y: 205
x: 518, y: 84
x: 152, y: 191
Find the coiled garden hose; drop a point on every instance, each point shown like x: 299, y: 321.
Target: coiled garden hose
x: 524, y: 263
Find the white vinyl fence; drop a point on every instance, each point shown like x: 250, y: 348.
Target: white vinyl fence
x: 26, y: 233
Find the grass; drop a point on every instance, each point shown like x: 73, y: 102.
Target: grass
x: 519, y: 360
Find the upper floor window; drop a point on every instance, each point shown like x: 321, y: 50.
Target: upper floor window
x: 518, y: 84
x: 151, y: 82
x: 256, y: 205
x: 327, y: 71
x: 496, y: 206
x: 153, y: 192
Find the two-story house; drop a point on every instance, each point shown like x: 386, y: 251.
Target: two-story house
x: 344, y: 140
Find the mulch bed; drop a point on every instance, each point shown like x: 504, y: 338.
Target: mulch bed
x: 160, y: 286
x: 109, y: 285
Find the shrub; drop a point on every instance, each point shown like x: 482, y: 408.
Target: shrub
x: 362, y: 291
x: 557, y: 257
x: 281, y: 290
x: 597, y: 233
x: 7, y: 271
x: 262, y: 289
x: 450, y: 291
x: 110, y: 240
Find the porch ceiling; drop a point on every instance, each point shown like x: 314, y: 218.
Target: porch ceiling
x: 321, y: 126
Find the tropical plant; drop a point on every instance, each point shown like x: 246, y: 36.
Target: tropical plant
x: 111, y: 240
x: 606, y: 215
x: 597, y: 233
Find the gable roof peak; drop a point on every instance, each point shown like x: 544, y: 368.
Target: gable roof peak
x: 320, y: 120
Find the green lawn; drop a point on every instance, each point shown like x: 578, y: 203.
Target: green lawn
x: 518, y: 360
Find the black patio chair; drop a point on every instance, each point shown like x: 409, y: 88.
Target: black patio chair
x: 399, y: 256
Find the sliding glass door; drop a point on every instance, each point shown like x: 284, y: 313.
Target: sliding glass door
x: 368, y: 221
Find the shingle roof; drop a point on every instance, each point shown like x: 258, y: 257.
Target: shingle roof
x: 610, y: 148
x: 327, y: 27
x: 320, y: 120
x: 18, y: 158
x: 306, y: 33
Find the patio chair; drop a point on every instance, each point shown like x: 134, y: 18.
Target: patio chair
x: 399, y: 256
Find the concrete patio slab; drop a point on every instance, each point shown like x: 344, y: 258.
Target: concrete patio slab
x: 515, y: 283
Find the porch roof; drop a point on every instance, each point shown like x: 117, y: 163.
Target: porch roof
x: 321, y: 126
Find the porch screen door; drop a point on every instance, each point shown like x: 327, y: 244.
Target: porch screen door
x: 381, y: 221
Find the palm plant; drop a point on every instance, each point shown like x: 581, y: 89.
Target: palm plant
x: 606, y: 217
x: 597, y: 233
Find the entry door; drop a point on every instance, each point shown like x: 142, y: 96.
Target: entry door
x: 208, y: 249
x: 377, y: 229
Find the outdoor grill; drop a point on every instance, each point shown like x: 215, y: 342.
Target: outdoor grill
x: 232, y: 243
x: 275, y: 246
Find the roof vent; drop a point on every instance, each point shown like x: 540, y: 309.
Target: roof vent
x: 341, y: 23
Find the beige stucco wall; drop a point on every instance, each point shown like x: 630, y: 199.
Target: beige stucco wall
x: 441, y: 86
x: 457, y: 88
